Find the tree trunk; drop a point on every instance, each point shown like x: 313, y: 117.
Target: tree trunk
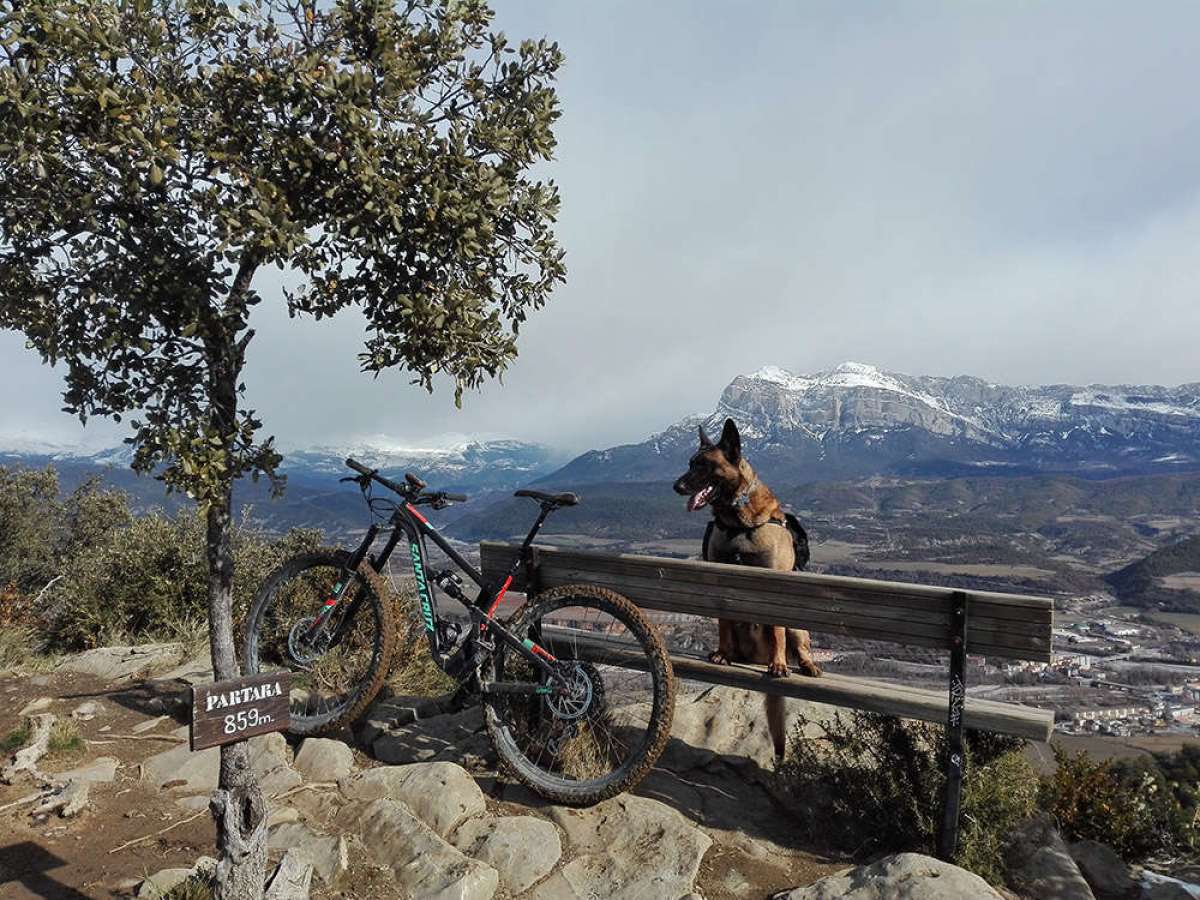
x: 237, y: 805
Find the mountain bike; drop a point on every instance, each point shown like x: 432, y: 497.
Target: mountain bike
x: 570, y: 726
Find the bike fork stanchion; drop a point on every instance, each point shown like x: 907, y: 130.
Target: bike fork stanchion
x: 955, y: 757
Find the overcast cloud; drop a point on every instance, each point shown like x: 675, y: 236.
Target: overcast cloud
x: 1008, y: 190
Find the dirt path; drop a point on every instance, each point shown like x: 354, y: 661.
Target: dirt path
x: 73, y: 858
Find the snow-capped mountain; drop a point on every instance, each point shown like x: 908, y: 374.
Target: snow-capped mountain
x: 458, y: 463
x: 856, y: 420
x: 454, y: 463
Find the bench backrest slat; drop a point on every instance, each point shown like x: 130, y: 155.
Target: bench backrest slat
x: 1005, y: 625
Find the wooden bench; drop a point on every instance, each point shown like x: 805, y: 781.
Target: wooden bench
x: 1007, y: 626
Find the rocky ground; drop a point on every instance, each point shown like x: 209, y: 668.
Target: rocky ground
x: 423, y: 813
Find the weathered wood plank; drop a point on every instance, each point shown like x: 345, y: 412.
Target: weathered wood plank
x: 874, y: 610
x: 802, y: 610
x: 838, y: 690
x: 696, y: 571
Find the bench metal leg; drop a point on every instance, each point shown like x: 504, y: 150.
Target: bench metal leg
x: 955, y: 761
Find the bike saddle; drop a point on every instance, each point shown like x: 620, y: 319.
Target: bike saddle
x: 565, y: 499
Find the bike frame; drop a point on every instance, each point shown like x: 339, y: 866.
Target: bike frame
x: 409, y: 523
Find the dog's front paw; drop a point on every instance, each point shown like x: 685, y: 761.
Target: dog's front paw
x: 777, y: 670
x: 811, y: 669
x: 719, y: 658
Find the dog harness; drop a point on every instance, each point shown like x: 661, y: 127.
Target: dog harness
x: 746, y: 529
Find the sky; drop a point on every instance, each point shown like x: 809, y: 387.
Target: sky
x: 1008, y: 190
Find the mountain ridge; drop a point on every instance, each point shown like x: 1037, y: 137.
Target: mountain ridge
x: 856, y: 420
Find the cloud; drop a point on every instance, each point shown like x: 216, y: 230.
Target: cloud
x: 1003, y: 190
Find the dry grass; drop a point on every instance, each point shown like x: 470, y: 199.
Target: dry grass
x: 195, y: 888
x: 65, y: 741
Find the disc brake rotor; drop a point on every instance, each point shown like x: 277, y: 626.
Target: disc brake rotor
x: 576, y: 699
x: 301, y: 651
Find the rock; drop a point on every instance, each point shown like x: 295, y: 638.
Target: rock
x: 521, y: 848
x: 197, y: 670
x: 322, y: 759
x: 162, y: 881
x: 270, y: 758
x: 440, y: 793
x: 36, y: 705
x: 119, y: 663
x: 628, y: 847
x: 292, y: 879
x: 69, y: 800
x: 197, y: 771
x: 386, y: 714
x: 1039, y: 864
x: 904, y: 876
x: 281, y: 815
x: 422, y: 863
x: 1104, y: 871
x: 87, y: 711
x: 328, y: 855
x: 457, y: 737
x: 183, y: 769
x: 726, y: 723
x: 101, y: 770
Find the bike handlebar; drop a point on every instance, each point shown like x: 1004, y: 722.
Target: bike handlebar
x: 410, y: 490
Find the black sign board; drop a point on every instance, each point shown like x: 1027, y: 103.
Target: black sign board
x: 228, y: 711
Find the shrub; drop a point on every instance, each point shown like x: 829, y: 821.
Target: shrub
x: 875, y: 784
x: 1133, y: 808
x: 148, y: 580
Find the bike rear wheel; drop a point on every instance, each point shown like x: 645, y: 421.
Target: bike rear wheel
x: 332, y: 685
x: 603, y: 736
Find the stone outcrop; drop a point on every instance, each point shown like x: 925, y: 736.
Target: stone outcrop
x: 904, y: 876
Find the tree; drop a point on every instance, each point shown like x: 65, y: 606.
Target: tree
x: 157, y: 155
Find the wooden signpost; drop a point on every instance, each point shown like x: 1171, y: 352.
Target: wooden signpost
x: 228, y: 711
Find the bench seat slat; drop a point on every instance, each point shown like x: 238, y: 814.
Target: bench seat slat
x: 699, y: 572
x: 838, y: 690
x: 874, y: 610
x: 801, y: 609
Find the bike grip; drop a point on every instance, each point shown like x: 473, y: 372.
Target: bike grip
x: 357, y: 466
x: 457, y: 498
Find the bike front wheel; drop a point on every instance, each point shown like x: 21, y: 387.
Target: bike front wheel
x: 596, y: 731
x: 335, y: 677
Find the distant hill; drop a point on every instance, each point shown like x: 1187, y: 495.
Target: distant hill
x: 1021, y: 522
x: 1138, y: 584
x: 314, y: 497
x: 856, y: 420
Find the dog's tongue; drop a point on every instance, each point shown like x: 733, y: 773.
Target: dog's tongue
x: 699, y: 498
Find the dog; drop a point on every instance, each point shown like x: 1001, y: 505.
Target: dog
x: 749, y: 528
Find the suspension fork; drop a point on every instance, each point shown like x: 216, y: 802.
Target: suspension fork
x: 345, y: 578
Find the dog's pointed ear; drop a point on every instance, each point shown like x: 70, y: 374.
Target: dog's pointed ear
x: 731, y: 442
x: 704, y: 441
